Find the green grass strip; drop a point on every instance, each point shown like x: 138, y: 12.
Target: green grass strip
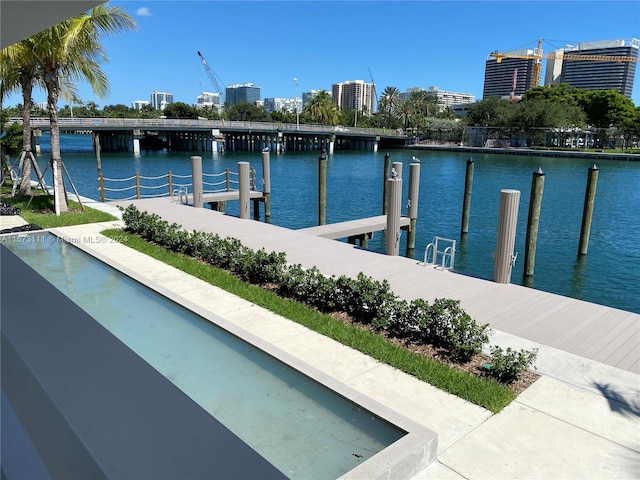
x: 48, y: 220
x: 484, y: 392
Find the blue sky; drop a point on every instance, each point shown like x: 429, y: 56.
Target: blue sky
x: 401, y: 44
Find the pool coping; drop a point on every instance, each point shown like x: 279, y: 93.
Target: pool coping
x: 402, y: 459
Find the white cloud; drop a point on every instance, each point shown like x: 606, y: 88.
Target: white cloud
x: 143, y: 12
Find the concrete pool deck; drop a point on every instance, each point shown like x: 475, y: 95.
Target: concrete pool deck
x: 580, y: 420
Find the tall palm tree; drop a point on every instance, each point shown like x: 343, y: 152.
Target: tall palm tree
x: 19, y: 70
x: 321, y: 109
x: 71, y: 52
x: 388, y: 105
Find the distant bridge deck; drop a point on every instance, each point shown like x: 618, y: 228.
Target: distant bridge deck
x: 604, y: 334
x: 352, y: 228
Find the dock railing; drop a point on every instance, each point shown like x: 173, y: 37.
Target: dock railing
x: 139, y: 186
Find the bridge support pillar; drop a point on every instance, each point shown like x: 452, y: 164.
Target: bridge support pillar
x: 136, y: 146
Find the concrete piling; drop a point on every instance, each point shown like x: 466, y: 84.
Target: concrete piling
x: 507, y: 223
x: 587, y: 212
x: 412, y: 206
x: 535, y: 203
x: 393, y: 215
x: 243, y: 181
x: 466, y: 205
x: 196, y: 176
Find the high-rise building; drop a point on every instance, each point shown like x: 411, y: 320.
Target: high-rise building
x: 208, y: 99
x: 242, y: 93
x: 512, y: 76
x: 446, y: 99
x: 159, y: 100
x: 354, y: 95
x: 139, y: 104
x: 590, y: 74
x: 277, y: 104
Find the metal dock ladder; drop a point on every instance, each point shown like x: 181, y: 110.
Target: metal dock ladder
x: 441, y: 252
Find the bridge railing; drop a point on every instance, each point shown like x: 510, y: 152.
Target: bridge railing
x: 142, y: 123
x: 139, y: 186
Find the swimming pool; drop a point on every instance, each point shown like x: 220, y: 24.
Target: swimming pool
x: 299, y: 425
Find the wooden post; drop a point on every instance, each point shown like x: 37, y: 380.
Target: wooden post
x: 98, y: 160
x: 170, y: 184
x: 466, y: 205
x: 393, y: 215
x: 322, y: 188
x: 587, y: 212
x: 266, y: 183
x: 228, y: 179
x: 101, y: 186
x: 507, y: 223
x: 537, y: 187
x: 385, y: 177
x: 412, y: 206
x: 243, y: 180
x: 196, y: 179
x: 138, y: 185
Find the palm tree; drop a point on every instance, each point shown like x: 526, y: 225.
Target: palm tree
x: 18, y: 69
x: 71, y: 52
x: 388, y: 105
x: 321, y: 109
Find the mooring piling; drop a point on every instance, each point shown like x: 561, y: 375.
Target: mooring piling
x: 587, y: 212
x: 507, y: 222
x: 393, y: 215
x: 322, y: 188
x: 196, y: 175
x: 243, y: 181
x: 466, y: 204
x: 385, y: 177
x: 535, y: 203
x: 266, y: 183
x: 412, y: 206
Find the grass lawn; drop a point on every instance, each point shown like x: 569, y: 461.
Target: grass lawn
x: 41, y: 210
x: 487, y: 393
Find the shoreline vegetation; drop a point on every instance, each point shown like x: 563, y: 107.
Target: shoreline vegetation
x: 437, y: 343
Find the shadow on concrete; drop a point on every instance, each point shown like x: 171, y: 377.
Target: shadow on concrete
x: 617, y: 402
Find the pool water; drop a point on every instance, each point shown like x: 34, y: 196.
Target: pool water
x: 301, y: 427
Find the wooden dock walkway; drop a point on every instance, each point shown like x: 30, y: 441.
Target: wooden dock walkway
x: 230, y: 195
x: 607, y: 335
x: 352, y: 228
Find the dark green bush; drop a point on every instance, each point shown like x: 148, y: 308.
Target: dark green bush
x: 507, y: 366
x: 369, y: 301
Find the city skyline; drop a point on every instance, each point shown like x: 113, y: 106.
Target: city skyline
x: 401, y: 44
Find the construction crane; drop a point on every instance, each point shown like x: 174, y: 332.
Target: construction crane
x: 212, y: 77
x: 375, y: 95
x: 539, y: 56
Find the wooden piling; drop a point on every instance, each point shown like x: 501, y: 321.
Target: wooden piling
x: 537, y: 187
x: 266, y: 183
x: 393, y: 215
x: 243, y: 181
x: 322, y: 188
x: 138, y: 185
x: 587, y: 212
x: 196, y: 179
x: 507, y: 223
x: 170, y: 181
x: 466, y: 205
x: 412, y: 206
x: 385, y: 177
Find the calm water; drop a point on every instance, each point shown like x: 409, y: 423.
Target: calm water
x: 609, y: 274
x: 305, y: 430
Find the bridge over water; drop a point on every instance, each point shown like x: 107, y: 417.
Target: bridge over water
x: 198, y: 135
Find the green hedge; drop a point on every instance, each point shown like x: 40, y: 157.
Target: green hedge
x: 443, y: 324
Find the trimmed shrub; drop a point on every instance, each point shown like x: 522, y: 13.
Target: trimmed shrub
x: 507, y: 366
